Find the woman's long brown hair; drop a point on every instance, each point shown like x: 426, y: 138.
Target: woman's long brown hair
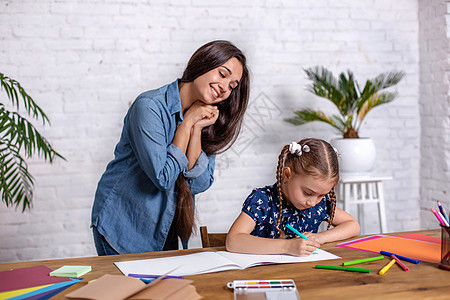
x: 223, y: 133
x: 320, y: 162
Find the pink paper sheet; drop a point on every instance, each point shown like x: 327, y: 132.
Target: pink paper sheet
x: 27, y: 277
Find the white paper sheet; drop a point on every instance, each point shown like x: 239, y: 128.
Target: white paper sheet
x: 207, y: 262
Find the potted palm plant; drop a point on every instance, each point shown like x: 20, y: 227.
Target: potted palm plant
x: 353, y: 105
x: 19, y: 140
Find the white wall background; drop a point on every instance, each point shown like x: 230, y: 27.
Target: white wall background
x: 85, y: 61
x: 434, y: 36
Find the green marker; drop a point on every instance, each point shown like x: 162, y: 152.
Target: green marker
x: 360, y: 261
x: 361, y: 270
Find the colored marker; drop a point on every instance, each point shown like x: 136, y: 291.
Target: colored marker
x: 361, y: 270
x: 411, y: 260
x: 438, y: 217
x: 297, y: 232
x: 442, y: 210
x: 153, y: 276
x: 442, y: 218
x: 386, y: 267
x: 445, y: 215
x: 400, y: 263
x: 360, y: 261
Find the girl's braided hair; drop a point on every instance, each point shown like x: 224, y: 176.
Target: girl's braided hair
x: 321, y: 161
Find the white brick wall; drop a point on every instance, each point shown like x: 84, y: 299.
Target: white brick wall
x: 434, y: 38
x: 84, y: 62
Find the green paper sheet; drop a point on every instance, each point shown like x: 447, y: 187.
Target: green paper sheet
x: 71, y: 271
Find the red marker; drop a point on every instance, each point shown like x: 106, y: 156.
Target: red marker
x: 400, y: 263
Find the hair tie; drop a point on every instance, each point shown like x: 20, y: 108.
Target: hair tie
x: 297, y: 149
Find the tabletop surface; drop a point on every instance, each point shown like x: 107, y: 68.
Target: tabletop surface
x: 423, y: 281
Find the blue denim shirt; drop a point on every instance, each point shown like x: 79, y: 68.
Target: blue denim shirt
x: 135, y: 201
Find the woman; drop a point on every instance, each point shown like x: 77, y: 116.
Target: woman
x: 166, y: 154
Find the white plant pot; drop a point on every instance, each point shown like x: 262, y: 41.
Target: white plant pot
x: 355, y: 155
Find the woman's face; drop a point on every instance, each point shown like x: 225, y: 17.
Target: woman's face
x: 216, y: 85
x: 304, y: 191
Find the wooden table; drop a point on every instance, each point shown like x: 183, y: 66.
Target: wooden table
x: 423, y: 281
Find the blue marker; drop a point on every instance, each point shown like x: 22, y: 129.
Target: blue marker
x: 442, y: 210
x: 414, y: 261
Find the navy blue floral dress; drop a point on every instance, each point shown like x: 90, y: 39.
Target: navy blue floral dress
x: 262, y: 205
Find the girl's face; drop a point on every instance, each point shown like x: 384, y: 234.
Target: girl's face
x: 304, y: 191
x: 216, y: 85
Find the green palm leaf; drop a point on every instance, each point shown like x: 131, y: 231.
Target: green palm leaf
x: 345, y: 93
x: 379, y: 83
x: 18, y: 135
x: 16, y: 183
x: 325, y: 85
x: 309, y: 115
x: 11, y: 87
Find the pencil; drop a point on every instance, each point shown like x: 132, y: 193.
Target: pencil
x: 386, y: 267
x: 445, y: 215
x: 443, y: 218
x: 438, y: 217
x: 442, y: 210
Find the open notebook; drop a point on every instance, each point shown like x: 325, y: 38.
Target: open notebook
x: 207, y: 262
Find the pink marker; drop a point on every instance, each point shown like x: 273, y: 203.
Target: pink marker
x: 438, y: 217
x: 400, y: 263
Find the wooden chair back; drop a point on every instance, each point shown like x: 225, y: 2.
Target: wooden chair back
x: 212, y: 239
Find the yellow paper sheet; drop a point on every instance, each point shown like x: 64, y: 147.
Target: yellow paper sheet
x: 15, y: 293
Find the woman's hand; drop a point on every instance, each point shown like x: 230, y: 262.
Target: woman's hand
x: 207, y: 120
x: 201, y: 115
x: 301, y: 247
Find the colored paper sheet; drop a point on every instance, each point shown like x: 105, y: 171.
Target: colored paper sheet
x: 27, y: 277
x: 420, y: 237
x: 412, y: 236
x: 40, y: 292
x: 360, y: 240
x: 421, y: 250
x: 48, y: 294
x: 71, y: 271
x: 10, y: 294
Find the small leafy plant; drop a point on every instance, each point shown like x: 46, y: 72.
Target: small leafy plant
x: 19, y: 139
x: 352, y: 102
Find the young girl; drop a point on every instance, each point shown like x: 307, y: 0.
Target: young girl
x: 303, y: 197
x: 166, y: 153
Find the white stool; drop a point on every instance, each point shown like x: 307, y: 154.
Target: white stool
x: 362, y: 189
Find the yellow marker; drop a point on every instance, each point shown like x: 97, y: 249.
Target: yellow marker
x: 386, y: 267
